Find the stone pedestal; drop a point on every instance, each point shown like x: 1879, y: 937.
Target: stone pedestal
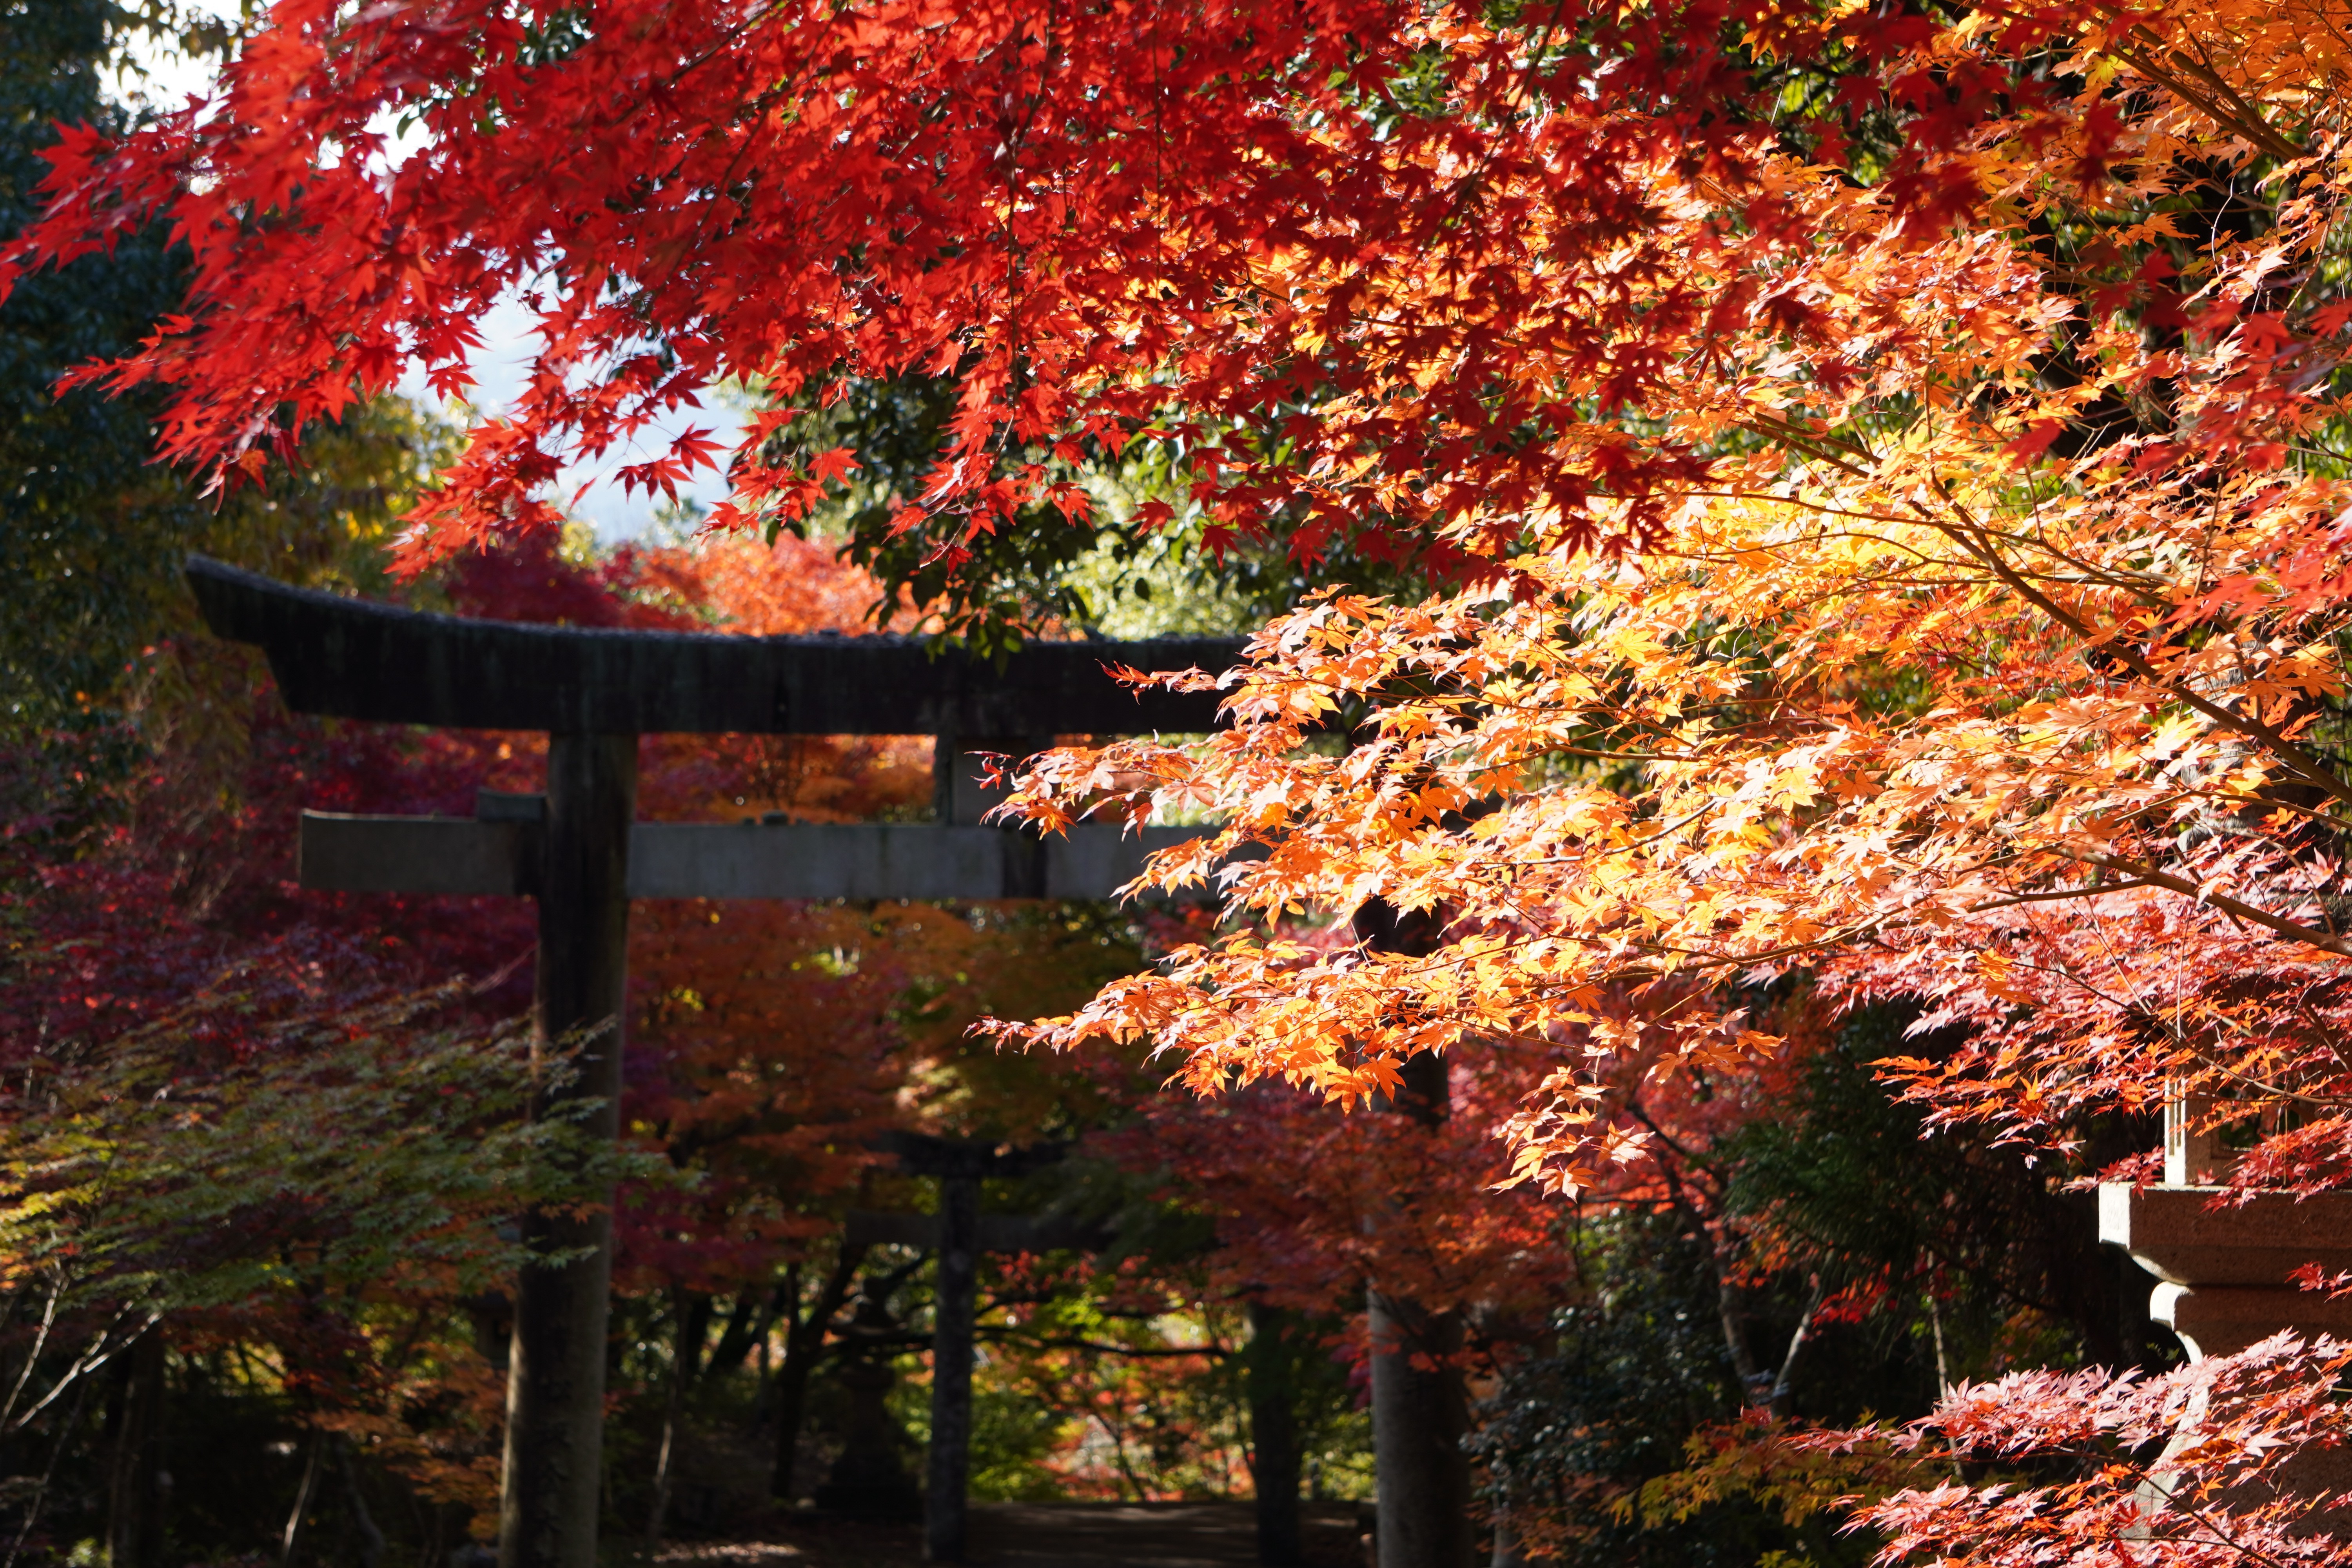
x: 2224, y: 1285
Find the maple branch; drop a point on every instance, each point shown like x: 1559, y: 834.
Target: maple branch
x: 2147, y: 1475
x: 2054, y: 894
x: 1801, y: 504
x: 2337, y: 823
x: 2139, y: 585
x: 49, y: 1474
x: 2246, y: 119
x: 86, y: 1363
x: 1668, y: 830
x: 1674, y: 1181
x: 2125, y: 579
x: 1777, y: 1399
x: 1729, y: 1314
x: 1103, y: 1346
x: 1772, y: 954
x: 32, y: 1356
x: 1701, y: 958
x: 2278, y: 1091
x: 2236, y: 907
x: 1606, y: 756
x: 2298, y: 761
x: 1814, y: 443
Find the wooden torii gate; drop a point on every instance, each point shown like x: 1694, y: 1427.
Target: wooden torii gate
x: 580, y: 852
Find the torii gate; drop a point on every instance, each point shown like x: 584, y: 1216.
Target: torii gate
x: 580, y: 852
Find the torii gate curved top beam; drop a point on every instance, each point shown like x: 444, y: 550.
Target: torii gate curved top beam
x: 352, y: 659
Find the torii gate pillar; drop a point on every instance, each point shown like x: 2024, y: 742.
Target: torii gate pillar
x: 555, y: 1377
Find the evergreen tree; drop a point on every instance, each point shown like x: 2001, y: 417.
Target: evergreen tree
x: 90, y: 533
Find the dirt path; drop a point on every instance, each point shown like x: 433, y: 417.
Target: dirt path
x: 1039, y: 1535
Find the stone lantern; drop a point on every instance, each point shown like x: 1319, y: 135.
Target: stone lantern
x: 2223, y: 1267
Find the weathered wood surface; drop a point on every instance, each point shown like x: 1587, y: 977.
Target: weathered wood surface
x: 947, y: 1470
x: 353, y: 659
x: 347, y: 853
x: 359, y: 854
x: 555, y: 1390
x: 885, y: 860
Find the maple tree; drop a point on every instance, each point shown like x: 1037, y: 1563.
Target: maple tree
x: 1874, y: 363
x: 2004, y: 670
x: 1378, y: 272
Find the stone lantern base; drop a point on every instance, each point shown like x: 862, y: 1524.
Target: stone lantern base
x: 2224, y: 1273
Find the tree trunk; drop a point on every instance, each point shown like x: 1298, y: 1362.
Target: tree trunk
x: 290, y: 1540
x: 803, y: 1344
x: 1421, y: 1412
x: 1755, y: 1385
x: 40, y: 1494
x: 555, y: 1384
x: 692, y: 1310
x: 371, y: 1538
x: 746, y: 1322
x: 137, y: 1484
x: 1270, y: 1368
x: 951, y: 1357
x: 1420, y: 1415
x: 1782, y: 1399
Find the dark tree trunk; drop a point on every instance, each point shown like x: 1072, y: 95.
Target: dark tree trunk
x: 951, y: 1355
x: 1731, y: 1310
x: 555, y: 1384
x: 747, y: 1321
x: 372, y: 1543
x: 1421, y: 1412
x: 691, y: 1309
x: 137, y: 1484
x: 805, y: 1337
x: 1271, y: 1369
x: 289, y: 1540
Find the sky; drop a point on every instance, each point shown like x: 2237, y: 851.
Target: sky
x: 498, y: 368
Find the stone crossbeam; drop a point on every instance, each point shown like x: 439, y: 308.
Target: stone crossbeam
x: 356, y: 854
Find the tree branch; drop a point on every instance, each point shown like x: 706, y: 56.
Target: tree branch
x: 2300, y: 763
x: 2242, y: 911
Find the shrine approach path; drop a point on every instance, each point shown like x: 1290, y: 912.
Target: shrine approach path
x: 1041, y: 1535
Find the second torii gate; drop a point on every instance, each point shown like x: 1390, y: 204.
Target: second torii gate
x: 579, y: 851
